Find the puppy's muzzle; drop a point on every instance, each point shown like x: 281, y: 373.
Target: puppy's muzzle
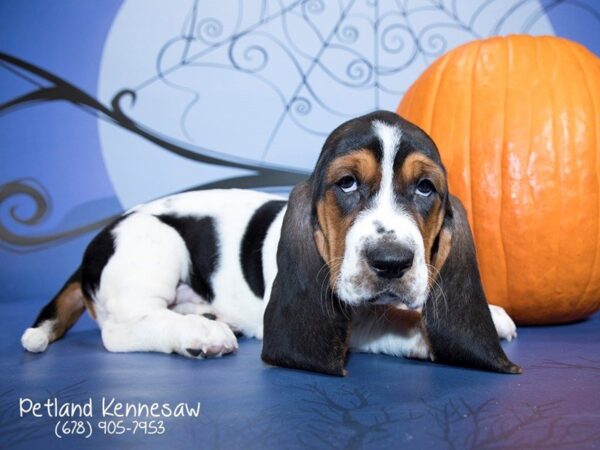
x: 390, y: 261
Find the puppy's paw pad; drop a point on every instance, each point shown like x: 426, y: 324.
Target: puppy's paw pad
x: 195, y: 352
x: 35, y: 340
x: 205, y: 338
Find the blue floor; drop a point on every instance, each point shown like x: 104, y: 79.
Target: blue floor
x: 384, y: 402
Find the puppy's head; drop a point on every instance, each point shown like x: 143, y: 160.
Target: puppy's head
x: 374, y: 224
x: 380, y: 194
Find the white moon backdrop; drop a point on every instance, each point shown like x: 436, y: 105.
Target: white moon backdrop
x: 268, y: 80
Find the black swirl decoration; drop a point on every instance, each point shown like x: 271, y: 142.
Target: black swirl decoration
x: 14, y: 196
x: 361, y: 45
x: 21, y: 191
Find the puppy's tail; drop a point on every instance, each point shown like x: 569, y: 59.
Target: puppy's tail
x: 55, y: 319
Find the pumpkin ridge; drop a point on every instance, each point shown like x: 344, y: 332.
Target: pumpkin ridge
x: 502, y: 166
x: 470, y: 214
x: 530, y: 128
x: 439, y: 74
x: 595, y: 114
x: 539, y: 66
x: 559, y: 171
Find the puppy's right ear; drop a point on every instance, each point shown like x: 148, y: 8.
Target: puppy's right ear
x: 457, y: 316
x: 305, y: 325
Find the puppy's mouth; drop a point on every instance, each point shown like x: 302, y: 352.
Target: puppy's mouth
x: 394, y: 299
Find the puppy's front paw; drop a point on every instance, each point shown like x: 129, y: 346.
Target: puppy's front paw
x: 35, y: 340
x: 505, y: 327
x: 204, y: 338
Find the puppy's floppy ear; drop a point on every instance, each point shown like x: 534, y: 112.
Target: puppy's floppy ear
x: 457, y: 319
x: 305, y: 326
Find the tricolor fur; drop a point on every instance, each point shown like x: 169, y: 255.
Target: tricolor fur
x: 364, y: 256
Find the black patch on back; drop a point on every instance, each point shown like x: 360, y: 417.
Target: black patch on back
x: 252, y: 243
x: 200, y: 237
x: 96, y: 256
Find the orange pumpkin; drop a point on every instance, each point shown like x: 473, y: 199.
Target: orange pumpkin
x: 517, y: 121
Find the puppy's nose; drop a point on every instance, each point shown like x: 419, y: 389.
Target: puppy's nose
x: 390, y: 261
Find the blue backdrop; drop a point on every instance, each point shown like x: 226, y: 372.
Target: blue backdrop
x: 107, y: 104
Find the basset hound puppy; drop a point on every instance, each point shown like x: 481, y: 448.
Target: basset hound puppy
x: 371, y: 253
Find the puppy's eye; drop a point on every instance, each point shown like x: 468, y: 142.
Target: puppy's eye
x: 425, y: 188
x: 348, y: 184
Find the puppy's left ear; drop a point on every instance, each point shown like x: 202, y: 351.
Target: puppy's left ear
x: 305, y: 325
x: 456, y: 315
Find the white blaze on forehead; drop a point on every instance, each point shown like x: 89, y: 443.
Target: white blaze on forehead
x: 356, y: 281
x: 389, y: 136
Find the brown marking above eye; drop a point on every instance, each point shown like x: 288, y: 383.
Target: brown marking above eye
x: 361, y: 163
x: 416, y: 167
x: 333, y: 224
